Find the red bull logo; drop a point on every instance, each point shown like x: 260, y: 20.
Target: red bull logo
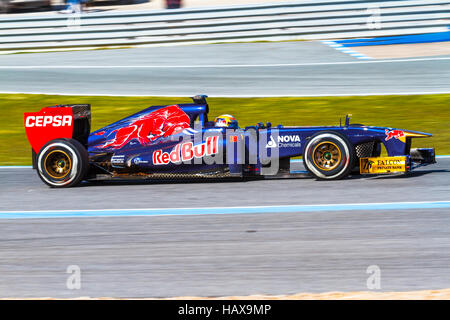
x: 187, y: 151
x: 147, y: 128
x: 397, y: 134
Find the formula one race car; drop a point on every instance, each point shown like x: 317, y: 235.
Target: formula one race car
x: 178, y: 141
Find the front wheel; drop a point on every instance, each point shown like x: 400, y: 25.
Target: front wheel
x: 329, y: 156
x: 62, y: 163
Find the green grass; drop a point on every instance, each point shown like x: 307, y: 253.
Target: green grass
x: 429, y: 113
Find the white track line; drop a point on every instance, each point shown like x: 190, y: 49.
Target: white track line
x: 222, y: 65
x: 347, y: 50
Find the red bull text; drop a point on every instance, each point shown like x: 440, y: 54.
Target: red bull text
x: 187, y: 151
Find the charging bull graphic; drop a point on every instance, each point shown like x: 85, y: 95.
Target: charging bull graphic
x: 397, y: 134
x: 147, y: 128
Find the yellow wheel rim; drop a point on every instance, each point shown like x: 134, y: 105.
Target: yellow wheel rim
x: 57, y: 164
x: 326, y: 156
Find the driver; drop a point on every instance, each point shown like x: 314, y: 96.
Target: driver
x: 226, y: 121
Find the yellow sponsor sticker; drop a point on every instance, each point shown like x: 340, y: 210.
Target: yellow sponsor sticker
x: 382, y: 165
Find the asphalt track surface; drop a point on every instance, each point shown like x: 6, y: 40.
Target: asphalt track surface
x: 224, y: 254
x: 227, y: 254
x: 238, y: 69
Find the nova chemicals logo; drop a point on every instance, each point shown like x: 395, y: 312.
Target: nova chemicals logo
x: 287, y: 141
x: 271, y: 143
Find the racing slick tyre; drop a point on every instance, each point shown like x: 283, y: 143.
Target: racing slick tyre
x: 62, y: 163
x: 329, y: 156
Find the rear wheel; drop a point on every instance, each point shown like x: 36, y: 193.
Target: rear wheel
x: 329, y: 156
x: 62, y: 163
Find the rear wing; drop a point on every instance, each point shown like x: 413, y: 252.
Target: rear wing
x: 71, y: 121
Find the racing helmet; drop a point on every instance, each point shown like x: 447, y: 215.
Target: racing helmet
x: 226, y: 121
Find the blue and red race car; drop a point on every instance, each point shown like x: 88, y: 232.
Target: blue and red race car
x: 179, y: 141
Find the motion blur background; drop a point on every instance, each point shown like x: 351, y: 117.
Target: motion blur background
x: 300, y: 62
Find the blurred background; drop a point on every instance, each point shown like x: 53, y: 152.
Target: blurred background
x: 13, y: 6
x: 299, y: 62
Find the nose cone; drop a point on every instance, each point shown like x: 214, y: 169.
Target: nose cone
x: 416, y: 134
